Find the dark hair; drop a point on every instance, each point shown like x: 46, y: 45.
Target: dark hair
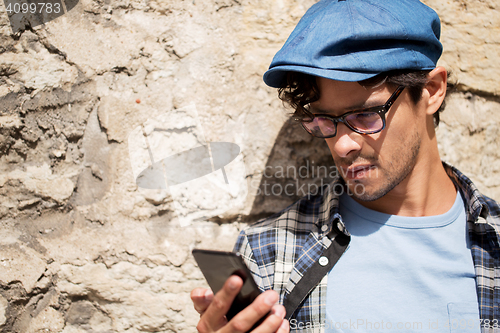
x: 301, y: 89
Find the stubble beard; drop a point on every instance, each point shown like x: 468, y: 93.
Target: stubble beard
x: 403, y: 162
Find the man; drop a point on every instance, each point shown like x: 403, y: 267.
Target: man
x: 401, y: 241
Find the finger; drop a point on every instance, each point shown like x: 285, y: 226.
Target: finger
x: 274, y: 321
x: 201, y: 298
x: 279, y: 310
x: 214, y: 316
x: 260, y: 307
x: 285, y: 327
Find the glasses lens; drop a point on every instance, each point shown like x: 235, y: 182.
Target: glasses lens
x: 365, y: 121
x: 320, y: 127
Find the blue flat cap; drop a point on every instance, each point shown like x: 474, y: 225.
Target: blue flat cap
x: 354, y: 40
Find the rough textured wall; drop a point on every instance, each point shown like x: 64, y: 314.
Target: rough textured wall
x: 83, y: 248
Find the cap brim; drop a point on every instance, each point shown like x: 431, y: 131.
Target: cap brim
x: 276, y: 76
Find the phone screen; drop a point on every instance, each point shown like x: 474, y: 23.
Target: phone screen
x: 218, y: 266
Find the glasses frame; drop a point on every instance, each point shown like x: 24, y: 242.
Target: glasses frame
x: 381, y: 110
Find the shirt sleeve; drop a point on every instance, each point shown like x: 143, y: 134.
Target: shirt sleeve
x: 244, y: 248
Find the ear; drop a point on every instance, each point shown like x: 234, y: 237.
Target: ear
x: 435, y: 89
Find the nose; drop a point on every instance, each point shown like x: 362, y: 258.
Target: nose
x: 344, y: 142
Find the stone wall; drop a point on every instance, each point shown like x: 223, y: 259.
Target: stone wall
x: 91, y: 99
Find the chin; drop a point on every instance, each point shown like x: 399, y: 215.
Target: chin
x: 363, y: 192
x: 367, y: 196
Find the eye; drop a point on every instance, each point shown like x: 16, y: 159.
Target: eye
x: 365, y: 121
x: 364, y: 115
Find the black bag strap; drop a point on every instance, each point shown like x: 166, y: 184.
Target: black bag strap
x: 316, y: 272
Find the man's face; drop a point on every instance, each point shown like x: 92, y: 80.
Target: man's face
x: 372, y: 165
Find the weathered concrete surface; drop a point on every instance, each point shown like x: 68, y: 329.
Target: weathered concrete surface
x: 471, y: 36
x: 82, y: 247
x: 468, y: 139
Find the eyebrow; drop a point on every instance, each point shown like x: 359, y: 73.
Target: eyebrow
x: 361, y: 106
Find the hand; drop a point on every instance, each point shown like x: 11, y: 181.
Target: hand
x: 214, y: 308
x: 201, y: 298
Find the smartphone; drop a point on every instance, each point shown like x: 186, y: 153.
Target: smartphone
x: 218, y: 266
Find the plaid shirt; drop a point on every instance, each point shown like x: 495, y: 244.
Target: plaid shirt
x: 280, y: 249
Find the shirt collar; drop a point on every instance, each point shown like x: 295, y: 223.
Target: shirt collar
x: 483, y: 213
x: 475, y: 203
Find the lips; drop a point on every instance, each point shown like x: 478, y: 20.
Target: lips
x: 357, y: 172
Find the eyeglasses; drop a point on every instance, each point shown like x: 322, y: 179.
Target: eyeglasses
x: 365, y: 121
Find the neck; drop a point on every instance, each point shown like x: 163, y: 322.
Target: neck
x: 426, y: 191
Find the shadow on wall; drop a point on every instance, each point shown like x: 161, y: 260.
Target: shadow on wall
x: 298, y: 164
